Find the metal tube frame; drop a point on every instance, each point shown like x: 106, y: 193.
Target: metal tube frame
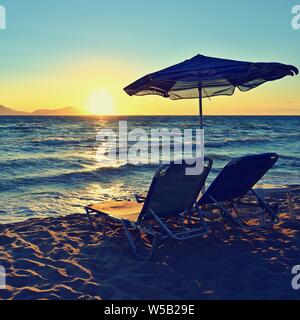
x: 165, y: 231
x: 261, y: 202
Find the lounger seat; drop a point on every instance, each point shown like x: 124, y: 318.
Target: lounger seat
x: 128, y: 210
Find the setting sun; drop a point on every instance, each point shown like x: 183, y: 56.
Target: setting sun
x: 101, y: 102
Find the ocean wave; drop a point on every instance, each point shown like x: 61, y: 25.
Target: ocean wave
x: 216, y: 156
x: 48, y: 163
x: 247, y: 140
x: 291, y: 163
x: 61, y: 141
x: 23, y: 127
x: 213, y: 144
x: 236, y: 141
x: 99, y: 174
x: 289, y: 157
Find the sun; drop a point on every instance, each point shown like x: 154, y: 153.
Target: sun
x: 101, y: 102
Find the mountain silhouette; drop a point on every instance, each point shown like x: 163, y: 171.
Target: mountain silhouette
x: 67, y: 111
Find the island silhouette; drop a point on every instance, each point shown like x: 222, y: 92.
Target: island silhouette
x: 66, y: 111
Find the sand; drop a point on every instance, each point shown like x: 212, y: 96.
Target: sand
x: 62, y: 258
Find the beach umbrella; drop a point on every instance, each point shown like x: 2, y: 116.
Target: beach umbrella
x: 204, y: 77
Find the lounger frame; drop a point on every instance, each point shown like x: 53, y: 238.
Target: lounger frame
x: 196, y: 226
x: 241, y: 224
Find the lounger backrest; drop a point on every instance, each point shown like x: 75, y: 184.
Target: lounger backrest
x: 238, y: 177
x: 173, y: 191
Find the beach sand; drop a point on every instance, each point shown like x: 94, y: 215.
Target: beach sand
x: 62, y: 258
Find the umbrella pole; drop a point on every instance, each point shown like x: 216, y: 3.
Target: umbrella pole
x: 201, y: 127
x: 200, y: 108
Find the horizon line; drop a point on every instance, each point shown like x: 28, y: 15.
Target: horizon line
x: 154, y: 115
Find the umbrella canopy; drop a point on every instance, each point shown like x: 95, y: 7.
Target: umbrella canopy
x: 202, y: 77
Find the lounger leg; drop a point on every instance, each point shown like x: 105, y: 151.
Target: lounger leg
x: 104, y: 227
x: 133, y: 245
x: 229, y: 218
x: 181, y: 220
x: 89, y: 218
x: 189, y: 218
x: 154, y: 246
x: 129, y: 237
x: 265, y: 206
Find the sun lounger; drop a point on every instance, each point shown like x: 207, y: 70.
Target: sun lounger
x: 234, y: 182
x: 162, y: 215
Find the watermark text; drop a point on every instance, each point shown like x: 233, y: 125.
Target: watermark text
x: 2, y: 278
x: 296, y: 278
x: 2, y: 18
x: 158, y: 146
x: 296, y: 17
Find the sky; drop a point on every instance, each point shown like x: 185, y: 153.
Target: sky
x: 78, y: 53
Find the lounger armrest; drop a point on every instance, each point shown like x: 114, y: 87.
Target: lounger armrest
x: 140, y: 198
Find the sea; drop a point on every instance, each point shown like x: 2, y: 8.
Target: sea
x: 49, y: 165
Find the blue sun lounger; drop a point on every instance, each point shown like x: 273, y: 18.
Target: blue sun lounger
x: 233, y: 183
x: 172, y: 195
